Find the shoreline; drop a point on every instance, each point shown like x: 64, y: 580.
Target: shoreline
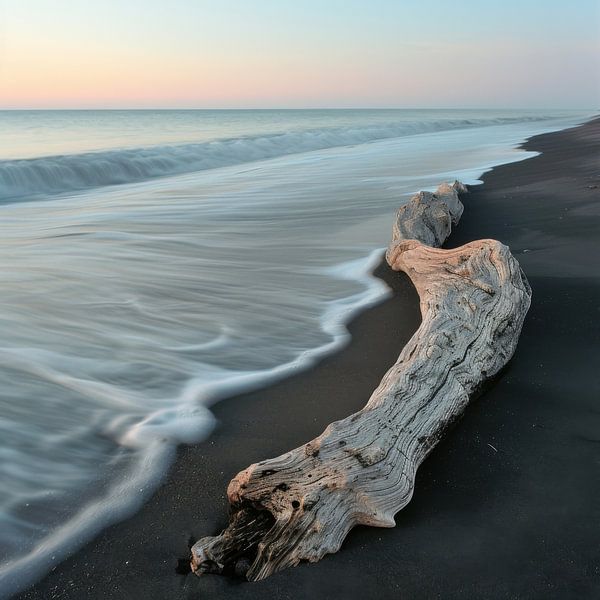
x: 137, y: 558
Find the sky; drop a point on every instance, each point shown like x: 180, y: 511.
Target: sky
x: 299, y: 53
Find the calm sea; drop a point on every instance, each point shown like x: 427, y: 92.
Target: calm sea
x: 153, y: 262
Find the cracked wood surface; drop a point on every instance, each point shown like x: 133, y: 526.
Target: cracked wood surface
x: 361, y: 469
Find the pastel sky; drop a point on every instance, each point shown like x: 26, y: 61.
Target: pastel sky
x: 299, y: 53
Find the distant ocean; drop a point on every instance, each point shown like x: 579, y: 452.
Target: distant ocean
x: 153, y: 262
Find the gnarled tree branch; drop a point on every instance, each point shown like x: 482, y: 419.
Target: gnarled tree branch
x: 361, y: 470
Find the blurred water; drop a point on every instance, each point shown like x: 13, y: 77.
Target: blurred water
x: 128, y: 309
x: 62, y: 151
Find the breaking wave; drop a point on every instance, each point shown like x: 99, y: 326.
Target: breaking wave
x: 67, y: 173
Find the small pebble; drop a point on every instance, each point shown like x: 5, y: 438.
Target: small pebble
x: 242, y: 566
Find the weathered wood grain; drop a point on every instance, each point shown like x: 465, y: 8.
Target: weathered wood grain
x: 361, y: 470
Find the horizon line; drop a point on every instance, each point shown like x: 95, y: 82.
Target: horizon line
x: 230, y: 108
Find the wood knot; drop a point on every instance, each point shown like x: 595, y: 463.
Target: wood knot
x: 312, y: 449
x: 367, y: 456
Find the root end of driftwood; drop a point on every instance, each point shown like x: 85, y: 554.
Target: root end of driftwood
x: 361, y: 470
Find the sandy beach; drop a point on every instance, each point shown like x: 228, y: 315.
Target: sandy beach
x: 505, y: 507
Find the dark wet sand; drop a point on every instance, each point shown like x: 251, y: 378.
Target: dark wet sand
x: 519, y: 522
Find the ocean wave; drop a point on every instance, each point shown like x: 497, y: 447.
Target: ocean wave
x: 68, y: 173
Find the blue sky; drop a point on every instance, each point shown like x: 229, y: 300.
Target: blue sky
x: 234, y: 53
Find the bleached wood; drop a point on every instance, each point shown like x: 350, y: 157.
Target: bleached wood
x: 361, y: 470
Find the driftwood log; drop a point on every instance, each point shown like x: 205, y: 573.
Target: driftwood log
x: 361, y: 470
